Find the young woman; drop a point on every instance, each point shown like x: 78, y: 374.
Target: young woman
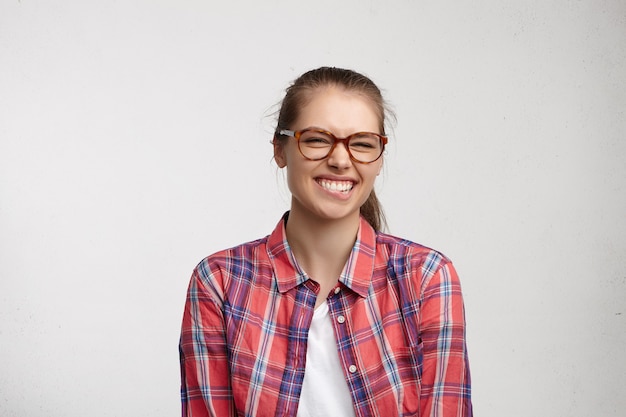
x: 326, y: 316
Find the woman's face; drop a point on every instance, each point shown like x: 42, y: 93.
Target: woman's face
x: 335, y: 187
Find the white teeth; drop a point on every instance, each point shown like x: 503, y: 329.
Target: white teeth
x: 341, y: 186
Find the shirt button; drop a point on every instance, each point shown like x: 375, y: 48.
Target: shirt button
x: 337, y: 289
x: 352, y: 369
x: 341, y: 319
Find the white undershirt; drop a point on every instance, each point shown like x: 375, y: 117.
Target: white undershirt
x: 324, y: 389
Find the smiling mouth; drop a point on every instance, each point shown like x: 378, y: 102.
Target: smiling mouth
x: 336, y: 186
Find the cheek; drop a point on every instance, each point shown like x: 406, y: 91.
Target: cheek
x: 373, y: 171
x: 290, y: 155
x: 296, y: 174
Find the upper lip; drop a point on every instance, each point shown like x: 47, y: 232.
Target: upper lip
x: 335, y: 178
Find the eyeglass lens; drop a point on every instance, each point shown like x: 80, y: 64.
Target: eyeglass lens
x: 364, y: 147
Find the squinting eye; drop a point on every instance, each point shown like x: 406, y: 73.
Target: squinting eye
x: 316, y: 140
x: 365, y: 142
x: 359, y: 144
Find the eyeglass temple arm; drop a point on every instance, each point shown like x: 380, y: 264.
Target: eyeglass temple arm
x: 286, y: 132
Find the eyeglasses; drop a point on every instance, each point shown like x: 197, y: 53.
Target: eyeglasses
x: 317, y: 144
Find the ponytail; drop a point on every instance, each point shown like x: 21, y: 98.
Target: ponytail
x: 372, y: 211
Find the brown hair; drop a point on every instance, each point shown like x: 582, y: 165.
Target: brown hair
x: 298, y: 95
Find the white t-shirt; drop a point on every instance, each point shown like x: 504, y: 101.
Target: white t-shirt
x: 325, y: 390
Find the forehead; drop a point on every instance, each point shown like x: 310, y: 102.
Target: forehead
x: 339, y: 110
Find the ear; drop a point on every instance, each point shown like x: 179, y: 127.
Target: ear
x: 279, y: 154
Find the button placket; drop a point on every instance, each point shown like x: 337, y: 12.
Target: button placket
x: 342, y: 327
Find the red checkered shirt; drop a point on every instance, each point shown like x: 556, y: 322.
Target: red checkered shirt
x: 397, y: 314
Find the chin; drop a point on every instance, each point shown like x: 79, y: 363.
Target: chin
x: 337, y: 215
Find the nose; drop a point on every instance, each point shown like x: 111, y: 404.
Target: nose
x: 339, y: 156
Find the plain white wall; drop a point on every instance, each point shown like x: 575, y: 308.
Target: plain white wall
x: 134, y: 140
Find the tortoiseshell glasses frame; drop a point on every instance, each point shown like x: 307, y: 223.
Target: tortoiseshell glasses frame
x: 317, y: 144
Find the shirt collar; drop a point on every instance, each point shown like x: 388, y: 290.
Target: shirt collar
x: 356, y: 274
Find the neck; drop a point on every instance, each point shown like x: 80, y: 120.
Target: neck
x: 322, y: 246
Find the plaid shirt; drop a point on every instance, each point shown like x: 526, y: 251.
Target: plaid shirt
x: 397, y: 314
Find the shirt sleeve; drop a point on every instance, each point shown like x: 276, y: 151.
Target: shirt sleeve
x: 445, y: 389
x: 205, y: 376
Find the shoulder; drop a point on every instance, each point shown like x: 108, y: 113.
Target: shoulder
x: 406, y: 257
x: 221, y: 267
x: 244, y: 251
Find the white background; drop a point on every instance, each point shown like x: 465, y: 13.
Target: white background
x: 134, y: 141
